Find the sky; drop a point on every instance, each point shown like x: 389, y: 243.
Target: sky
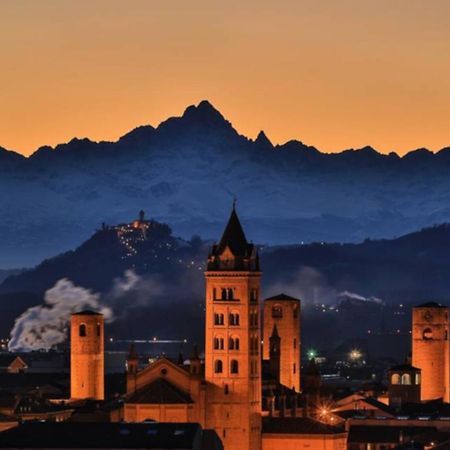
x: 333, y: 74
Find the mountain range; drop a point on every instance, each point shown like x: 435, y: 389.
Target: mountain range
x: 187, y: 170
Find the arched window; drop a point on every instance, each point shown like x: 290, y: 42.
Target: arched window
x: 277, y: 312
x: 417, y: 378
x: 406, y: 378
x: 218, y: 366
x: 218, y: 343
x: 427, y: 334
x: 218, y: 319
x: 395, y: 378
x: 230, y: 294
x: 234, y: 368
x: 233, y: 343
x: 82, y: 330
x: 224, y: 294
x: 234, y: 319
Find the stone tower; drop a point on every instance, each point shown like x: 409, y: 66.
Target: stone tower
x: 232, y: 347
x: 284, y: 312
x: 430, y: 349
x: 87, y: 356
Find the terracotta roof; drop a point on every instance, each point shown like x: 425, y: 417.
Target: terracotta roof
x: 160, y: 392
x: 283, y: 297
x: 297, y: 425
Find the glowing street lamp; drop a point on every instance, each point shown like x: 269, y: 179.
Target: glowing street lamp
x: 355, y: 355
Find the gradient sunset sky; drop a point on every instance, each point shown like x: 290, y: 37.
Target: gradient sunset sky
x: 334, y: 74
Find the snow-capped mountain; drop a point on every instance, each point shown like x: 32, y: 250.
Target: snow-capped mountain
x: 186, y: 172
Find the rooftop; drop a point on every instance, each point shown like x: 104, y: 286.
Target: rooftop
x: 297, y: 425
x: 87, y: 312
x: 101, y: 435
x: 283, y: 297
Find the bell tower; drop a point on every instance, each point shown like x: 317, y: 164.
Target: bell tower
x: 87, y: 356
x: 430, y: 349
x: 232, y: 347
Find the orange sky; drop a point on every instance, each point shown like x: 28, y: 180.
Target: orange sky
x: 334, y: 73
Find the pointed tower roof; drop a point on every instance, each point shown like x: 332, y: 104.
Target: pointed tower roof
x: 132, y: 354
x: 233, y: 237
x: 275, y: 332
x: 233, y: 252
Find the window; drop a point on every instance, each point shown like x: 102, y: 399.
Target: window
x: 417, y: 378
x: 233, y: 343
x: 395, y: 378
x: 218, y: 366
x: 99, y: 329
x: 218, y: 343
x: 234, y: 366
x: 227, y: 294
x: 214, y: 294
x: 254, y: 295
x: 230, y: 294
x: 406, y: 378
x: 295, y: 343
x: 277, y: 312
x: 294, y: 369
x: 234, y: 319
x: 218, y: 319
x: 427, y: 334
x: 82, y: 330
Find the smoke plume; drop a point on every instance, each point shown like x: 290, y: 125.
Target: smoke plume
x: 44, y: 326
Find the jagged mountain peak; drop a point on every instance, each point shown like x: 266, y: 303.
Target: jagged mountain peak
x: 262, y: 140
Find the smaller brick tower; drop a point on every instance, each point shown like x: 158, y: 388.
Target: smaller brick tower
x: 403, y: 385
x: 283, y: 312
x: 87, y: 373
x: 430, y: 349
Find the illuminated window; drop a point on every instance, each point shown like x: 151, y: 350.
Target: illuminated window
x: 406, y: 378
x: 427, y: 334
x: 234, y: 368
x: 417, y: 378
x: 277, y: 312
x: 218, y: 366
x: 82, y: 330
x: 395, y: 379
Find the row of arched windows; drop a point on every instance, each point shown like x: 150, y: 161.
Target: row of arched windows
x: 233, y: 343
x: 406, y: 378
x: 234, y: 366
x: 225, y: 294
x: 233, y: 319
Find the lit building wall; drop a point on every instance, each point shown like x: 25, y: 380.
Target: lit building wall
x: 284, y: 312
x: 87, y: 356
x: 430, y: 349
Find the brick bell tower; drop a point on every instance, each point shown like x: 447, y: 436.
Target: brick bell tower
x: 232, y: 347
x: 87, y: 356
x: 430, y: 349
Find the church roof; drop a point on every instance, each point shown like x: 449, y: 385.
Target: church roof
x: 160, y: 391
x: 283, y: 296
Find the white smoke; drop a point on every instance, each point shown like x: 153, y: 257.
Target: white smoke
x: 353, y: 296
x: 44, y: 326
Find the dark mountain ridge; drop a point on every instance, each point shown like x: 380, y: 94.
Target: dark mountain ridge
x: 187, y: 170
